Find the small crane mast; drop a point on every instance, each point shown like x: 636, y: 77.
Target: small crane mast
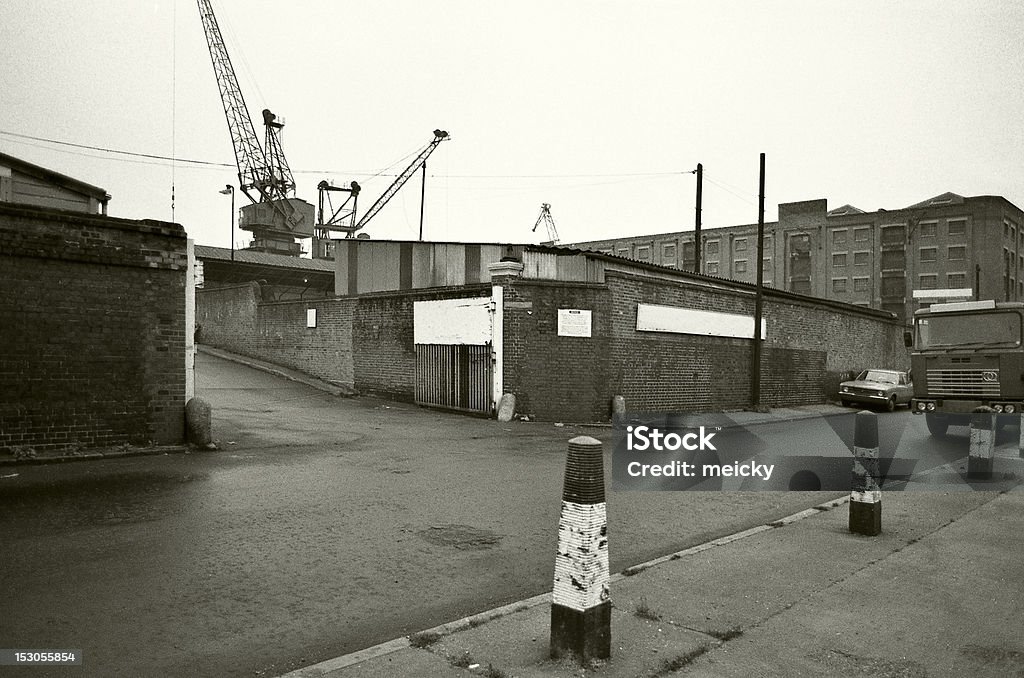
x: 549, y: 223
x: 276, y: 217
x: 346, y: 221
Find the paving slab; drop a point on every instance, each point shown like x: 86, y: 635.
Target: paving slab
x: 948, y: 604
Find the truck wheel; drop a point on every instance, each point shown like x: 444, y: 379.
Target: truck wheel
x: 937, y: 424
x: 890, y: 406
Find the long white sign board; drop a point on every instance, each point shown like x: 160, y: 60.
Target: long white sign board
x: 651, y: 318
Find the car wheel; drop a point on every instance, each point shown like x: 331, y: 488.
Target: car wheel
x: 890, y: 406
x: 844, y: 403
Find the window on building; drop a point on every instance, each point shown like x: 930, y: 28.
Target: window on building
x: 689, y: 256
x: 894, y: 235
x: 839, y: 259
x: 740, y: 265
x: 767, y: 243
x: 711, y: 267
x: 894, y: 260
x: 839, y: 237
x: 957, y: 227
x: 668, y: 251
x: 860, y: 284
x: 956, y: 281
x: 643, y: 252
x: 839, y: 285
x: 928, y: 253
x: 800, y: 286
x: 711, y: 248
x: 860, y: 258
x: 861, y: 234
x: 957, y: 253
x: 624, y: 253
x: 927, y: 229
x: 740, y: 244
x: 928, y: 281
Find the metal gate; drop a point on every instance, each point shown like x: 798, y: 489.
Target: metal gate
x: 454, y: 363
x: 454, y: 376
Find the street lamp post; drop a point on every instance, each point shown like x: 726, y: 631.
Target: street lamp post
x: 230, y: 190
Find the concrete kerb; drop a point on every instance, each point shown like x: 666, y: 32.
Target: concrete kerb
x: 395, y: 645
x: 92, y: 455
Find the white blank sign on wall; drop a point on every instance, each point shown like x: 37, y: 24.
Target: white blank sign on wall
x: 652, y: 318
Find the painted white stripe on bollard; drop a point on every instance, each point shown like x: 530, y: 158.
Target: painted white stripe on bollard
x: 983, y: 444
x: 866, y: 496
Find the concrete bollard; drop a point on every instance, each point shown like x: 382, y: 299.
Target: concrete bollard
x: 198, y: 424
x: 618, y: 409
x: 1020, y: 444
x: 866, y: 497
x: 983, y: 444
x: 506, y: 407
x: 581, y: 608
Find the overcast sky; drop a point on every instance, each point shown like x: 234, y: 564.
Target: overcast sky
x: 602, y: 108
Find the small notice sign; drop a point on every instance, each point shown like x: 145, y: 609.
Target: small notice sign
x: 573, y: 322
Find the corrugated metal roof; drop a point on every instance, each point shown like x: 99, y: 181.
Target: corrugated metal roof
x: 263, y: 258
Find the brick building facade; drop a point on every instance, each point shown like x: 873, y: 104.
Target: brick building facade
x: 897, y: 260
x: 92, y: 330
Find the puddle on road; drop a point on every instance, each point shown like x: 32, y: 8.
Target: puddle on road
x: 462, y: 537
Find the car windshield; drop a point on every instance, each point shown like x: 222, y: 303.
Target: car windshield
x: 969, y: 330
x: 879, y: 376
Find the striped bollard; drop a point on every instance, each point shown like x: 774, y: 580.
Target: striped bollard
x: 581, y: 609
x: 983, y: 444
x: 1020, y: 445
x: 866, y: 497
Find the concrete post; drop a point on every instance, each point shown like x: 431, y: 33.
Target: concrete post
x: 580, y: 604
x: 983, y: 444
x: 1020, y: 444
x: 866, y: 497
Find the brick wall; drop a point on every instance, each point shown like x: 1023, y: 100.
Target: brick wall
x: 553, y: 377
x: 92, y: 330
x: 811, y: 345
x: 365, y: 342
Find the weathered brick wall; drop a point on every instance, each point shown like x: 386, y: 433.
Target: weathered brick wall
x: 810, y: 346
x: 236, y: 319
x: 553, y: 377
x: 92, y: 330
x: 365, y: 342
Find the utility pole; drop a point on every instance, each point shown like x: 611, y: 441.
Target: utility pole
x: 755, y: 378
x: 423, y: 197
x: 696, y: 229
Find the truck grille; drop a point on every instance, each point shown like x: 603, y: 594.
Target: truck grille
x: 967, y: 383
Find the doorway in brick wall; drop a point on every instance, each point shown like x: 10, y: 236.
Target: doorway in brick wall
x: 454, y: 360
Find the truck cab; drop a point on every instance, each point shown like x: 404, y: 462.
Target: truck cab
x: 966, y: 355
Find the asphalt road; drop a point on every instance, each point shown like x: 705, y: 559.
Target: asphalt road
x: 323, y: 526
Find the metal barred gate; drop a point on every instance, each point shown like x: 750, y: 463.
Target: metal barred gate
x: 454, y: 376
x: 454, y: 362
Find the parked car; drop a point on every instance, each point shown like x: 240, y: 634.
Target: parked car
x: 880, y: 388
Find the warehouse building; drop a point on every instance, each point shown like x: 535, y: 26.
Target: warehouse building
x: 946, y: 247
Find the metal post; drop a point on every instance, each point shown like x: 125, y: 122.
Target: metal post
x: 230, y: 190
x: 581, y: 607
x: 423, y: 197
x: 755, y: 376
x: 983, y: 444
x: 866, y: 497
x: 696, y: 228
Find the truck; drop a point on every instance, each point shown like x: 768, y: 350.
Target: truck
x: 966, y: 355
